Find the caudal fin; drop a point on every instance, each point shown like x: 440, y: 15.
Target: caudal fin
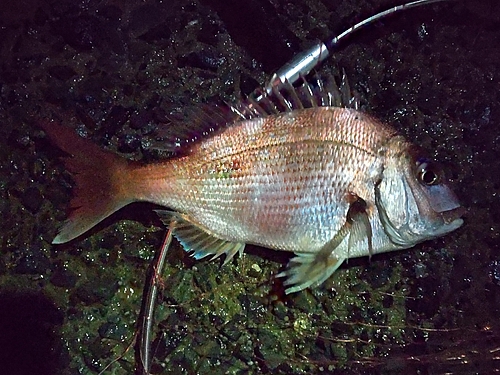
x: 100, y: 177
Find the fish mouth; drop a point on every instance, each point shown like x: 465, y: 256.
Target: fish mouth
x: 447, y: 221
x: 452, y: 215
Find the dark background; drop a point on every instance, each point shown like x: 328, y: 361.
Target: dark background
x: 115, y: 70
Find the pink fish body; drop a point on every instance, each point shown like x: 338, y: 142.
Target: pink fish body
x: 326, y: 183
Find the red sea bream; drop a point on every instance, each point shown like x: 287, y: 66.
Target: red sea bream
x: 327, y: 183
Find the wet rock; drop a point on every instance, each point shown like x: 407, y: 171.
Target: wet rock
x: 81, y: 32
x: 33, y: 262
x: 427, y: 299
x: 160, y: 115
x: 137, y: 50
x: 114, y: 331
x: 62, y: 72
x: 117, y: 43
x: 232, y: 329
x: 64, y: 8
x: 129, y: 143
x: 37, y: 169
x: 248, y: 84
x: 157, y: 35
x: 378, y: 274
x: 210, y: 32
x: 388, y: 301
x: 97, y: 350
x: 63, y: 278
x: 267, y: 351
x: 495, y: 271
x: 97, y: 290
x: 154, y: 101
x: 56, y: 94
x: 255, y: 26
x: 111, y: 13
x: 280, y: 310
x: 19, y: 139
x: 115, y: 120
x: 204, y: 59
x: 9, y: 78
x: 41, y: 17
x: 32, y: 199
x: 172, y: 338
x: 145, y: 18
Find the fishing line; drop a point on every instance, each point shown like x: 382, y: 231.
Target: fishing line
x: 306, y: 61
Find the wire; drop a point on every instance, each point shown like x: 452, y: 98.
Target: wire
x: 306, y: 61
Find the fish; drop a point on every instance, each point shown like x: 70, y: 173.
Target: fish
x: 300, y: 169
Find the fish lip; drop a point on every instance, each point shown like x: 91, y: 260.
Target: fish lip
x: 454, y: 214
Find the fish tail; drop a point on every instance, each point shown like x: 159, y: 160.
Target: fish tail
x: 102, y: 181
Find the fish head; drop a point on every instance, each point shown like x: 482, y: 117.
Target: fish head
x: 413, y: 198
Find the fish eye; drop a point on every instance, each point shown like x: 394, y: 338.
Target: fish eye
x: 426, y: 173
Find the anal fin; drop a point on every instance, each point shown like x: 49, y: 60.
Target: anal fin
x: 198, y: 240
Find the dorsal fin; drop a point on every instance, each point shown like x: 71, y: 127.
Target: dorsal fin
x: 313, y: 91
x: 193, y: 124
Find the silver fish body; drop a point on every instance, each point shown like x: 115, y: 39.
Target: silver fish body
x: 327, y: 183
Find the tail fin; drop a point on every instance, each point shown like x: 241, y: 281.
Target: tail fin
x: 100, y: 177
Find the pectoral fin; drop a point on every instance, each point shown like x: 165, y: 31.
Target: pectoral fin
x: 361, y: 229
x: 312, y: 269
x: 197, y: 240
